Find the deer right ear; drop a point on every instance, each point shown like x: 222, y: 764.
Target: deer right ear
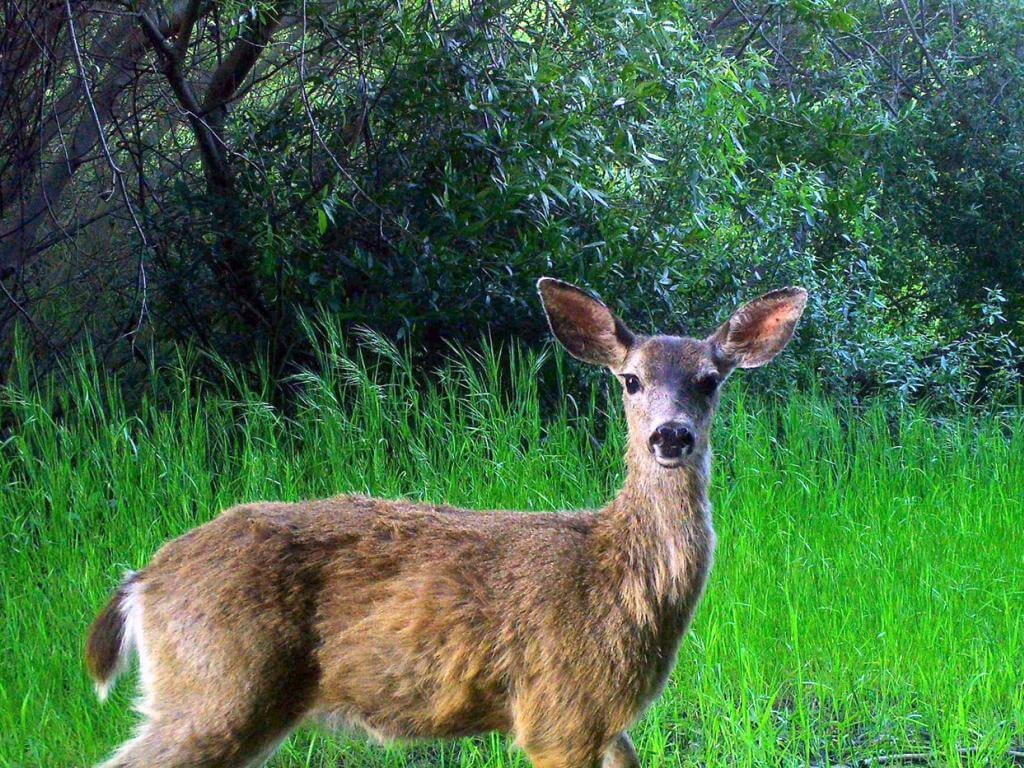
x: 759, y: 330
x: 583, y: 324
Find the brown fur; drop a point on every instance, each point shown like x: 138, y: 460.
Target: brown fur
x: 106, y: 635
x: 424, y: 621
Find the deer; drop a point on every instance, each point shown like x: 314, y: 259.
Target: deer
x: 409, y: 621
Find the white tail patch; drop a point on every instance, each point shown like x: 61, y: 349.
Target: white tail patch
x: 103, y: 689
x: 131, y: 637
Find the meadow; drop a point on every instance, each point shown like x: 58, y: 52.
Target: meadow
x: 865, y: 601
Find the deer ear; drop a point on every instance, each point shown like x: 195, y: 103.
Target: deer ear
x: 584, y: 325
x: 759, y: 330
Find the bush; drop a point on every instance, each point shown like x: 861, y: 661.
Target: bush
x: 416, y: 166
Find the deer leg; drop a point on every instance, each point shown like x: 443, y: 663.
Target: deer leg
x: 188, y: 744
x: 558, y: 744
x: 621, y: 753
x: 564, y: 756
x: 555, y: 731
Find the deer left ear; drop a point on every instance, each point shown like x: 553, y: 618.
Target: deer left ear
x: 759, y: 330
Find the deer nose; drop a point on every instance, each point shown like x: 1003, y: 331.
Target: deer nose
x: 671, y: 439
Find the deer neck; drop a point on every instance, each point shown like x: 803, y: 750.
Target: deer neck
x: 655, y: 538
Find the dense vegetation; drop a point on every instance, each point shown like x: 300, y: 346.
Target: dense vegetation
x: 415, y: 166
x: 865, y: 598
x: 184, y: 183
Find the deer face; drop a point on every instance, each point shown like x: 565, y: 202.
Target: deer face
x: 670, y: 384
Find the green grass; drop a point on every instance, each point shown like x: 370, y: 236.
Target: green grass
x: 866, y: 596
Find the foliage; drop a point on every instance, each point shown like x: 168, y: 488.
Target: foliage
x: 865, y: 597
x: 416, y: 166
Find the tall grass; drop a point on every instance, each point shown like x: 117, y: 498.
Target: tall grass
x: 866, y: 597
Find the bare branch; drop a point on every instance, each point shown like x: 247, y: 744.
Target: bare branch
x: 209, y: 144
x: 115, y: 170
x: 921, y: 44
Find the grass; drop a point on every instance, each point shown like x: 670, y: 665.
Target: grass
x: 866, y: 596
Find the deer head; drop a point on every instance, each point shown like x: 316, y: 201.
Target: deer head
x: 670, y: 384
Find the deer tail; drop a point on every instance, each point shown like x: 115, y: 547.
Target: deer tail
x: 112, y: 638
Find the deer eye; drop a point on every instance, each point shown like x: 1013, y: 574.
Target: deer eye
x: 707, y: 383
x: 632, y: 383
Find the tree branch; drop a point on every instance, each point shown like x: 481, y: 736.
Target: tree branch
x: 209, y: 144
x: 115, y: 170
x: 921, y: 44
x: 235, y: 67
